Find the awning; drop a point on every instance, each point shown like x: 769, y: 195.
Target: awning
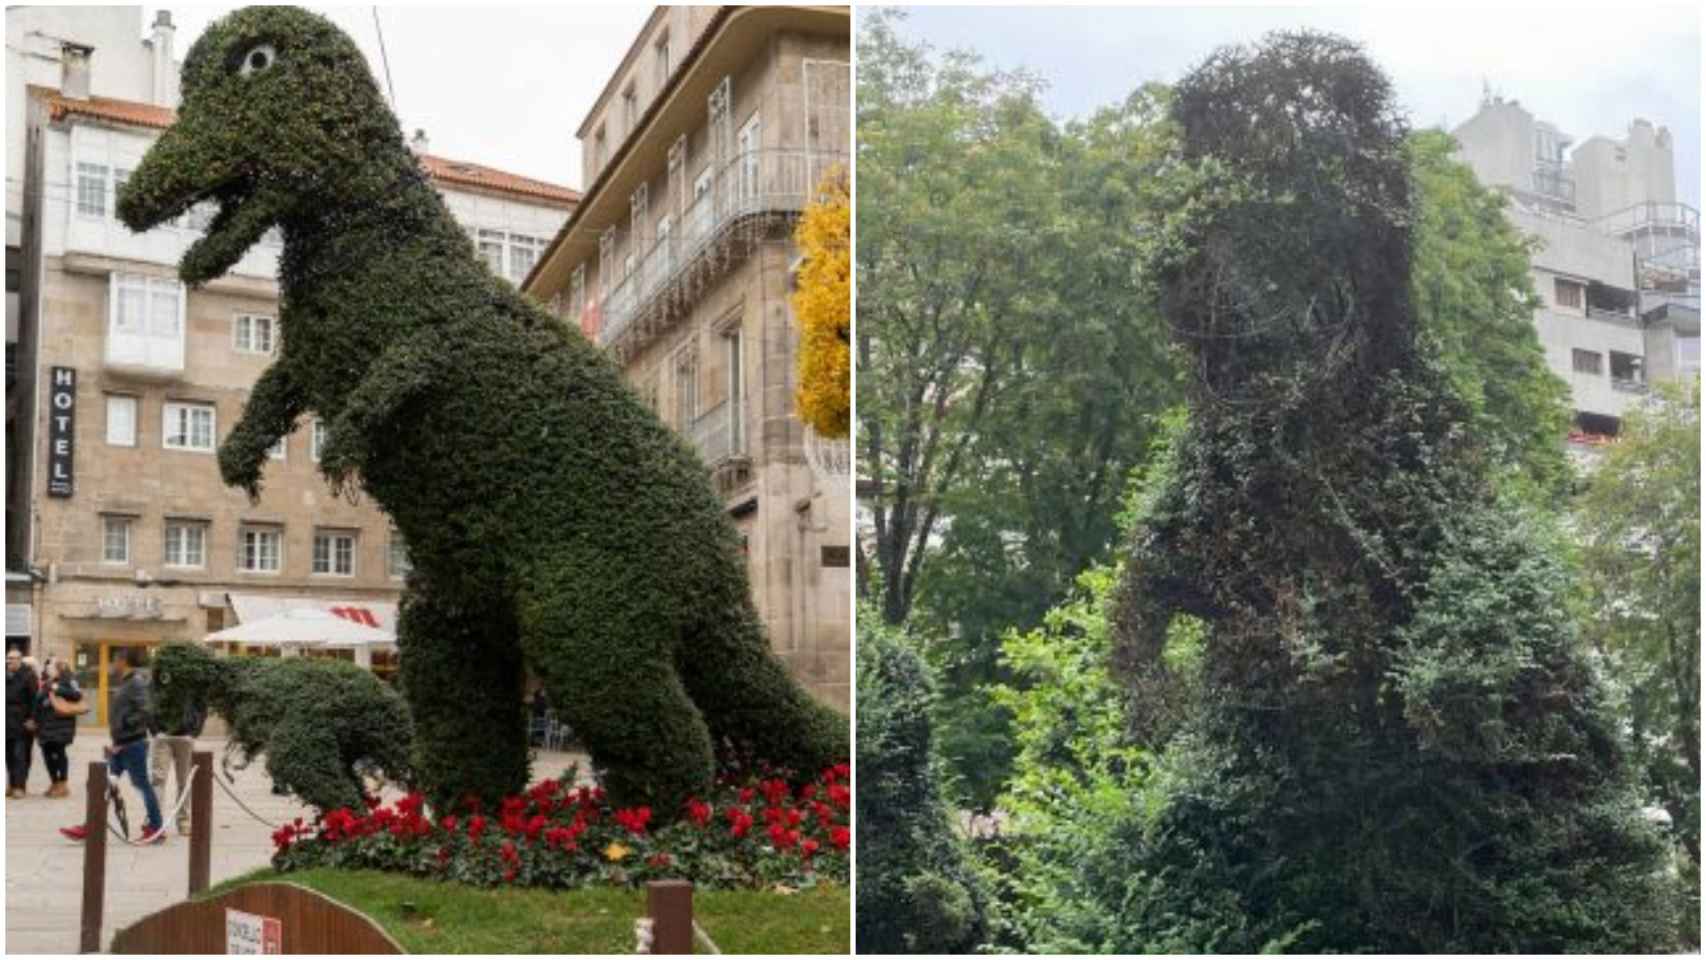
x: 368, y: 613
x: 304, y: 627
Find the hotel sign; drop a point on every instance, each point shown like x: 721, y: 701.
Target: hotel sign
x: 61, y: 430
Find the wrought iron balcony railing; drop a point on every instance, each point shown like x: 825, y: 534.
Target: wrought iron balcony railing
x: 754, y: 182
x: 720, y: 432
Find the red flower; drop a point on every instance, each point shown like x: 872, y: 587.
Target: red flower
x: 746, y: 794
x: 793, y: 816
x: 369, y: 799
x: 842, y: 770
x: 411, y: 804
x: 534, y: 826
x: 840, y: 795
x: 774, y: 791
x: 739, y: 822
x: 634, y: 819
x: 840, y: 838
x: 508, y: 852
x: 659, y: 860
x: 698, y: 811
x: 449, y: 824
x: 476, y: 826
x: 782, y: 837
x: 807, y: 848
x: 808, y: 791
x: 772, y: 815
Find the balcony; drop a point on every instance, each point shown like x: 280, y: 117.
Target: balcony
x: 719, y: 434
x: 750, y: 186
x: 1628, y: 386
x: 1550, y: 180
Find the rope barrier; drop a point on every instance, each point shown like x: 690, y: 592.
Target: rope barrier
x: 233, y: 795
x: 112, y: 793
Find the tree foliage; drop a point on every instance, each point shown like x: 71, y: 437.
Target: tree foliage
x: 1640, y: 525
x: 917, y: 890
x: 551, y: 518
x: 823, y: 304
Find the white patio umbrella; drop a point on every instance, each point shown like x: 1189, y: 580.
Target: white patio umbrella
x: 303, y: 627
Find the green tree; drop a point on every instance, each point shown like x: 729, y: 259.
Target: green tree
x: 917, y: 890
x: 1474, y: 296
x: 1640, y: 525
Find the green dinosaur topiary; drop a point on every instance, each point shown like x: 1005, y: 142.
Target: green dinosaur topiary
x: 319, y: 722
x: 552, y: 519
x: 1400, y: 744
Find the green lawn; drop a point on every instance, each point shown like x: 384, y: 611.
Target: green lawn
x: 453, y: 918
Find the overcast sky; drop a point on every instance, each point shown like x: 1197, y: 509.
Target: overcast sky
x: 501, y: 86
x: 1586, y: 72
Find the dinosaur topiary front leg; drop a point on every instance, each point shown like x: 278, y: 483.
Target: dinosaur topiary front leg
x: 270, y: 415
x: 405, y: 371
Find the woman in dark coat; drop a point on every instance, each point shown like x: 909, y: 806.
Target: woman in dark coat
x: 53, y: 730
x: 20, y: 708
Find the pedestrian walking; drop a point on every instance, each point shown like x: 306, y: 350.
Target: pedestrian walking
x: 20, y: 723
x: 55, y: 729
x: 172, y: 754
x: 130, y: 722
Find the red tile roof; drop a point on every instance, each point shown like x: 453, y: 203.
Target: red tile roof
x: 442, y: 169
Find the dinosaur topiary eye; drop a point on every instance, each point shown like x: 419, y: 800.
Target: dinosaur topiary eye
x: 257, y: 59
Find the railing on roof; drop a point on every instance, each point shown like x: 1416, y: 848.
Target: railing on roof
x: 753, y: 182
x: 1551, y: 181
x: 1674, y: 217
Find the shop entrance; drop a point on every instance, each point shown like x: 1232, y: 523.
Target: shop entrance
x: 94, y: 662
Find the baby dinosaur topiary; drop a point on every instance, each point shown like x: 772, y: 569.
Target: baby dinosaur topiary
x: 319, y: 722
x: 553, y: 521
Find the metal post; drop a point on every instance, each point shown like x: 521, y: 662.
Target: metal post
x: 201, y: 820
x: 670, y: 905
x: 94, y: 859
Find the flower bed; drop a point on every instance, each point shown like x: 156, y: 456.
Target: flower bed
x: 759, y: 833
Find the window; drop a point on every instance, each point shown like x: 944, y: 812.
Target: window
x: 279, y: 450
x: 702, y: 183
x: 1625, y: 367
x: 1567, y: 293
x: 334, y: 553
x: 91, y: 190
x: 186, y: 543
x: 686, y: 388
x: 397, y: 557
x: 189, y: 426
x: 747, y: 144
x: 317, y: 440
x: 577, y: 291
x: 115, y: 539
x: 662, y: 49
x: 492, y: 250
x: 121, y: 421
x: 731, y: 343
x: 1585, y: 361
x: 600, y: 149
x: 630, y: 109
x: 666, y: 224
x: 252, y: 334
x: 145, y: 321
x: 259, y: 549
x: 523, y: 254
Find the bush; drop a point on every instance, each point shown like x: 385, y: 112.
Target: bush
x: 917, y: 891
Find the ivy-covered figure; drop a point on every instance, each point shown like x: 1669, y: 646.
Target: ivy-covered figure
x: 1399, y: 743
x: 322, y: 724
x: 553, y: 521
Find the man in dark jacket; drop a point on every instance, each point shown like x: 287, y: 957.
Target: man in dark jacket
x: 130, y: 722
x: 20, y: 710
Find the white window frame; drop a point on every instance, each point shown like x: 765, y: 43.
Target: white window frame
x: 120, y: 401
x: 316, y: 438
x: 258, y: 532
x: 661, y: 48
x: 340, y: 550
x: 182, y: 529
x: 153, y: 326
x: 109, y: 523
x: 244, y: 327
x: 93, y: 178
x: 280, y: 450
x: 167, y: 427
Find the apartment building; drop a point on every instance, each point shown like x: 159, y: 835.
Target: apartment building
x: 699, y: 154
x: 128, y: 381
x: 1618, y: 266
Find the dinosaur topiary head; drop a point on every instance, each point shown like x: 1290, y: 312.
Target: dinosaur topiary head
x: 280, y: 119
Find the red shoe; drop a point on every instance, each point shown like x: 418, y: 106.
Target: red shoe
x: 76, y: 834
x: 156, y: 835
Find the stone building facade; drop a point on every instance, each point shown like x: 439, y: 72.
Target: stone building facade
x: 699, y: 154
x: 129, y: 381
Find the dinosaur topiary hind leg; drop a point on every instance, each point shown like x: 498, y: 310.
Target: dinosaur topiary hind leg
x: 619, y: 691
x: 748, y: 696
x: 461, y: 673
x: 303, y: 758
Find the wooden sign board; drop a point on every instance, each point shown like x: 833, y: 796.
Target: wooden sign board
x: 258, y: 918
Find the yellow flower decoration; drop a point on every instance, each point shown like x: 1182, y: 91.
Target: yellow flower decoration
x: 823, y: 303
x: 616, y: 852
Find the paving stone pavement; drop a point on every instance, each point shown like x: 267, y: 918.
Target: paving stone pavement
x: 44, y: 871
